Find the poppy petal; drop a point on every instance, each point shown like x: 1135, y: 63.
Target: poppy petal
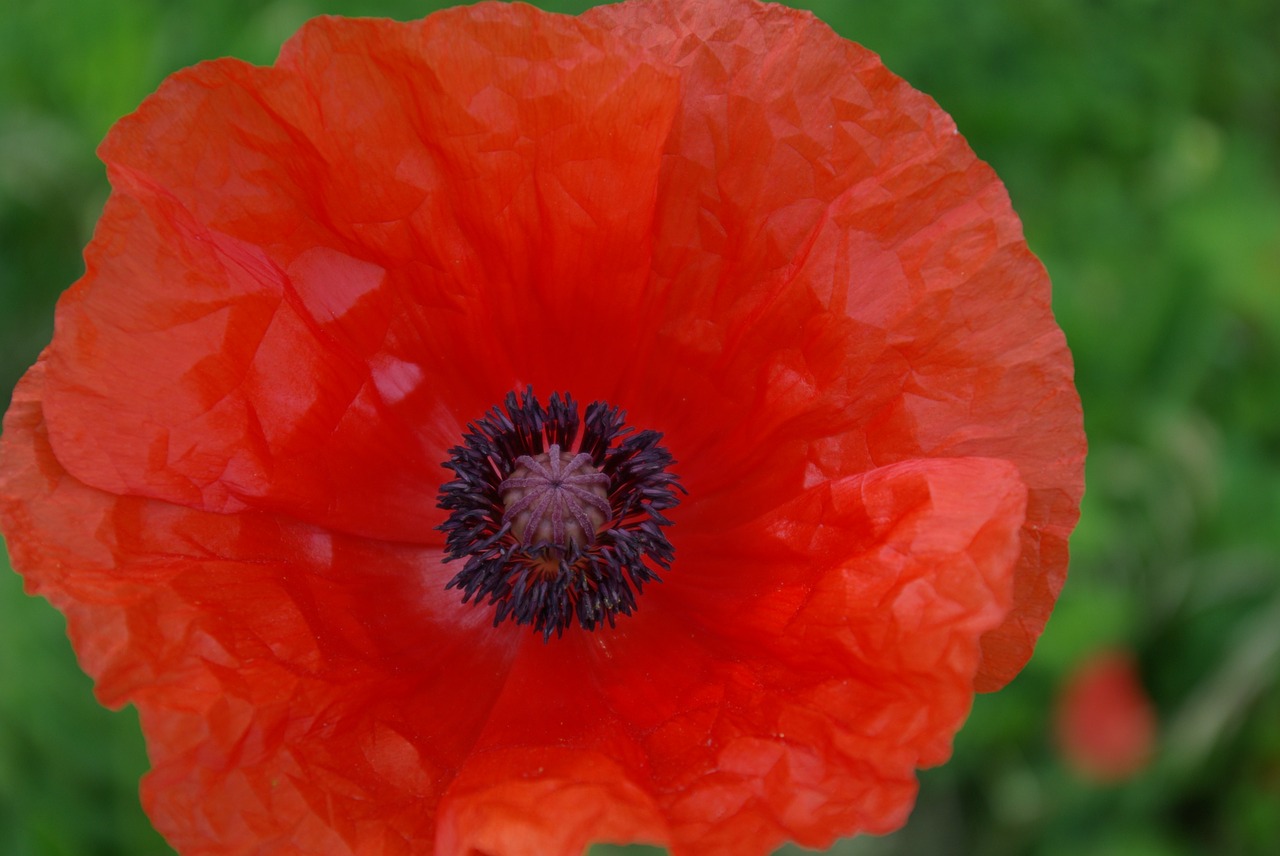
x: 847, y: 287
x: 545, y: 802
x: 342, y: 280
x: 777, y: 693
x: 288, y: 679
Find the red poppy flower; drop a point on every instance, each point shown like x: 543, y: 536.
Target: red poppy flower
x: 715, y: 216
x: 1106, y: 724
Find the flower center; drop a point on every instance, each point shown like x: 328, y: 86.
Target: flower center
x: 554, y: 498
x: 557, y: 529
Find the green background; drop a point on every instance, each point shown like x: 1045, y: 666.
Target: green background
x: 1140, y: 142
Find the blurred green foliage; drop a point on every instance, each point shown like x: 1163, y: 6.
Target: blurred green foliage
x: 1140, y: 141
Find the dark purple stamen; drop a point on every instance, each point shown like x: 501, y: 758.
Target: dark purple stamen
x: 559, y: 535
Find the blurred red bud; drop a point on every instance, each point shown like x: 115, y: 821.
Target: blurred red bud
x: 1106, y: 724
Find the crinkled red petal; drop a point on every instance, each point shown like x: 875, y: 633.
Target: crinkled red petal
x: 846, y: 285
x: 311, y: 276
x: 300, y: 690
